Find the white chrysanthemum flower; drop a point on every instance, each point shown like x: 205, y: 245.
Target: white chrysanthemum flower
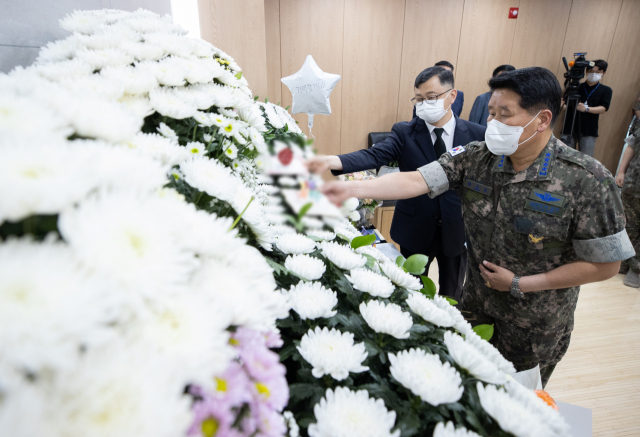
x: 400, y: 277
x: 312, y: 223
x: 113, y: 392
x: 188, y: 330
x: 323, y: 235
x: 295, y: 244
x: 449, y: 430
x: 169, y: 72
x: 370, y: 282
x: 167, y: 132
x: 311, y: 300
x: 196, y: 148
x: 478, y: 357
x: 82, y: 21
x: 44, y: 175
x: 109, y: 57
x: 351, y: 204
x: 95, y: 85
x: 373, y: 252
x: 306, y: 267
x: 346, y: 232
x: 354, y: 216
x: 143, y: 51
x: 19, y: 115
x: 139, y: 105
x: 133, y: 239
x: 100, y: 119
x: 231, y: 151
x: 279, y: 230
x: 171, y: 103
x: 61, y: 50
x: 437, y: 310
x: 210, y: 176
x: 346, y: 413
x: 138, y: 80
x: 342, y: 256
x: 49, y: 306
x: 426, y: 376
x: 122, y: 168
x: 332, y: 353
x: 167, y: 151
x: 387, y: 319
x: 520, y: 412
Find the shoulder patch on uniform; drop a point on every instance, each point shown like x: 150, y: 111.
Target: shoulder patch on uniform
x: 458, y: 150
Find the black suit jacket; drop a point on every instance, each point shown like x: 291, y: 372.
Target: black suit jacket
x: 415, y: 221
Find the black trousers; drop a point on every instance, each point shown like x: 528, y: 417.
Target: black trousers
x: 452, y: 269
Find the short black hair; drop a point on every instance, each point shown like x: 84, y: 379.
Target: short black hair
x: 502, y: 68
x: 445, y: 76
x: 601, y: 64
x: 444, y: 64
x: 537, y: 87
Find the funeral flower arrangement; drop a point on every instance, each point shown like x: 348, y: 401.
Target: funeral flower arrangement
x: 154, y: 282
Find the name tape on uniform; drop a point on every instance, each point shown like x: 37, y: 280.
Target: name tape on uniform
x: 475, y: 186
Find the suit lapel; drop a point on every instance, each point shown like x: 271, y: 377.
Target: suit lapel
x: 422, y: 137
x: 461, y: 135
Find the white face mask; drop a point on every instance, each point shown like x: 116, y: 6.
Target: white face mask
x: 594, y: 77
x: 432, y: 112
x: 502, y: 139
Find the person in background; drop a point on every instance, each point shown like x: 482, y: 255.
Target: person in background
x: 480, y: 109
x: 541, y: 219
x: 595, y: 99
x: 422, y: 225
x: 456, y: 107
x: 628, y: 179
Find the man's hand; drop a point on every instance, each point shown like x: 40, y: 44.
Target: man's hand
x: 337, y: 192
x: 496, y: 277
x: 620, y: 179
x: 581, y: 107
x: 322, y: 163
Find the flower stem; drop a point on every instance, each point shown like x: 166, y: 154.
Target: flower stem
x: 194, y: 132
x: 29, y: 225
x: 199, y: 197
x: 235, y: 222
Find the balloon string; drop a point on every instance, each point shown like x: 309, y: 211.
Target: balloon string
x: 310, y: 124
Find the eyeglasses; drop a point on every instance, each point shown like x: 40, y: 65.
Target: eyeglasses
x: 430, y: 99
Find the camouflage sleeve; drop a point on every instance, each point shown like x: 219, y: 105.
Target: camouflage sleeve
x: 447, y: 172
x: 599, y: 233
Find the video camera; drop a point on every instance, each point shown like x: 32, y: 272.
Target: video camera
x: 575, y: 72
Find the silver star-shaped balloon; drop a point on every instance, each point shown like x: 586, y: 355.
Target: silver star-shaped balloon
x: 310, y: 89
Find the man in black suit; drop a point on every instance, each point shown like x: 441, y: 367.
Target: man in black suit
x: 432, y: 227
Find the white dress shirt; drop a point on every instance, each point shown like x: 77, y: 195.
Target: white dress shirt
x: 447, y: 135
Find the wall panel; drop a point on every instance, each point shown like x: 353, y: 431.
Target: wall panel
x: 272, y: 39
x: 238, y: 28
x: 371, y: 69
x: 314, y: 27
x: 485, y: 42
x: 623, y: 76
x: 431, y: 34
x: 540, y: 31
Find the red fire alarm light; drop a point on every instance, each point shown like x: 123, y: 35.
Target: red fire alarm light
x: 513, y: 13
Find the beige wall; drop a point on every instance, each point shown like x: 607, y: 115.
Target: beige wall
x: 379, y: 47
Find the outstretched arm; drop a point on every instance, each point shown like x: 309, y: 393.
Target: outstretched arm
x: 402, y: 185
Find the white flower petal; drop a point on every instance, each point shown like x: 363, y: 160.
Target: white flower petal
x: 387, y: 319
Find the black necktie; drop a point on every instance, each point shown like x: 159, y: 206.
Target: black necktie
x: 439, y: 145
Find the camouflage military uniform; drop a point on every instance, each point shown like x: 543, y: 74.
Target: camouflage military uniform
x: 631, y: 202
x: 561, y: 209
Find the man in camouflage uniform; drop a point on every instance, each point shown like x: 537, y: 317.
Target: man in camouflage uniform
x: 628, y: 179
x: 540, y: 222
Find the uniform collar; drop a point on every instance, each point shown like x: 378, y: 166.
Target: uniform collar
x: 538, y: 171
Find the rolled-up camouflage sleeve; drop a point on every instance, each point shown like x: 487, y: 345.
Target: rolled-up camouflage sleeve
x: 599, y: 234
x: 447, y: 172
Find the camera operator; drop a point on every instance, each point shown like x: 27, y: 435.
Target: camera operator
x: 594, y: 100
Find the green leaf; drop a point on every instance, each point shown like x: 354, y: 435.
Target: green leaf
x: 371, y: 261
x: 256, y: 98
x: 343, y: 237
x: 429, y: 288
x: 287, y: 108
x: 300, y: 391
x: 266, y: 99
x: 484, y: 331
x: 278, y: 268
x: 305, y: 208
x: 239, y: 75
x: 451, y: 301
x: 400, y: 261
x: 310, y: 141
x: 363, y: 240
x: 415, y: 264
